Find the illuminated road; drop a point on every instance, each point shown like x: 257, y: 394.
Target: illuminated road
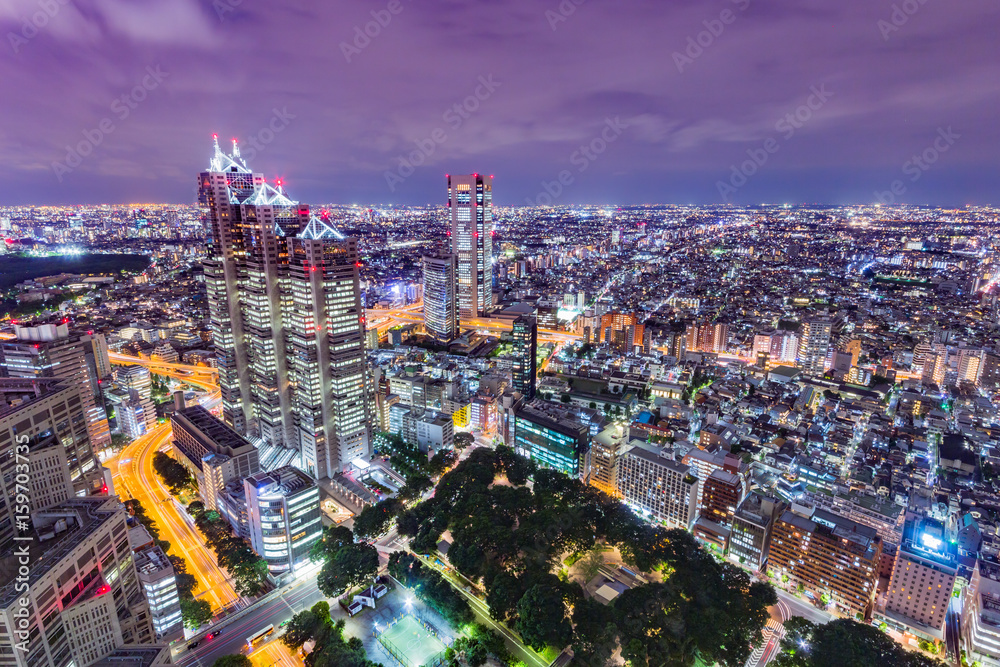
x: 384, y: 319
x: 302, y: 594
x: 274, y: 654
x: 136, y: 479
x: 200, y: 375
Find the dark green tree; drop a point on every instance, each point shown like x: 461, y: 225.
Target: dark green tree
x: 346, y: 563
x: 843, y: 643
x: 232, y: 661
x: 174, y: 475
x: 542, y: 618
x: 595, y: 633
x: 376, y: 519
x: 416, y: 485
x: 195, y: 613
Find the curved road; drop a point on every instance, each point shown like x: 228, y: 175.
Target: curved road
x: 137, y: 479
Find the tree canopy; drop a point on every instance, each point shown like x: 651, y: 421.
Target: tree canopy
x: 843, y: 643
x: 375, y: 519
x: 346, y: 564
x: 232, y: 661
x: 174, y: 475
x: 511, y: 538
x: 332, y: 649
x: 249, y: 570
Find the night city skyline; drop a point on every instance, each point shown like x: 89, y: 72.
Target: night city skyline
x: 829, y: 105
x: 520, y: 333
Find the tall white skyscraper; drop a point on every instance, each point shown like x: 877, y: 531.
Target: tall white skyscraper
x: 470, y: 199
x: 287, y: 320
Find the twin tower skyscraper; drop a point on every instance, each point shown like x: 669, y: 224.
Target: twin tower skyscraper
x: 286, y: 315
x: 288, y: 324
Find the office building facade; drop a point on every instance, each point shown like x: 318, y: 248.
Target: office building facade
x: 922, y: 580
x: 52, y: 350
x: 84, y: 596
x: 525, y: 371
x: 284, y: 518
x: 440, y: 299
x: 657, y: 487
x: 553, y: 437
x: 980, y: 624
x: 815, y: 345
x: 42, y: 422
x: 159, y: 583
x: 213, y: 452
x: 470, y: 199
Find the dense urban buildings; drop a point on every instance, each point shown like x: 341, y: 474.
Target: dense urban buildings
x: 797, y: 403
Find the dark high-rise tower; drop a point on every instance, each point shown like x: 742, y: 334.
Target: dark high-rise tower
x: 288, y: 326
x: 525, y: 355
x: 440, y: 305
x: 471, y: 201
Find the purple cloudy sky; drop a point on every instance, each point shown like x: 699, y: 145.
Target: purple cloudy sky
x: 559, y: 75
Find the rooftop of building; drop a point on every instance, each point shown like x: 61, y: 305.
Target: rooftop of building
x: 836, y: 525
x: 18, y: 393
x: 653, y: 455
x: 283, y: 481
x: 138, y: 655
x: 873, y: 503
x: 226, y: 439
x: 553, y: 415
x: 928, y: 540
x: 151, y: 560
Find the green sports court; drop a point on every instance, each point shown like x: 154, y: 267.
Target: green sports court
x: 412, y: 643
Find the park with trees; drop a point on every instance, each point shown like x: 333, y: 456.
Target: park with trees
x: 512, y: 540
x: 843, y: 643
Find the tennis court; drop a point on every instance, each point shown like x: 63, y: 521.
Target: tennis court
x: 414, y: 645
